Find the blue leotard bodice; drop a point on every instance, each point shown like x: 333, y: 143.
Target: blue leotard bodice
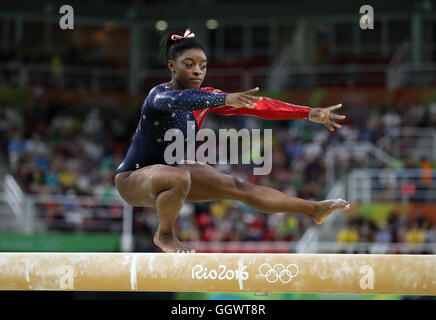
x: 165, y: 108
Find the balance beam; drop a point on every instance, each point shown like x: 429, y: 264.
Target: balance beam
x: 174, y: 272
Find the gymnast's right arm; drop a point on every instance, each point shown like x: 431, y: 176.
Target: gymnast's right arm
x: 166, y: 98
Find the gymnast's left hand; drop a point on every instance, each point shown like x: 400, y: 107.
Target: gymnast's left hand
x: 326, y: 116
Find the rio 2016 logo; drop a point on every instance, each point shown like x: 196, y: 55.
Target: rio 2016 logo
x: 200, y: 272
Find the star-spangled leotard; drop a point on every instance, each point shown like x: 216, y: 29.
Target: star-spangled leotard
x: 166, y: 108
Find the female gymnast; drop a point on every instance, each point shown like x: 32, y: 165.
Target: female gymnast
x: 144, y: 179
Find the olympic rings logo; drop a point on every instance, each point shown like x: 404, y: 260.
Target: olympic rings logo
x: 278, y: 272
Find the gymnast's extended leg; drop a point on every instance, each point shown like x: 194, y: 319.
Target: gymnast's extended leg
x: 209, y: 184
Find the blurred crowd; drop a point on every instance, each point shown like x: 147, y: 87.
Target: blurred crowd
x: 59, y: 150
x: 74, y: 150
x: 398, y: 227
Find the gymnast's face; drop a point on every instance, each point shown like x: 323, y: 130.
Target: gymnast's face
x: 189, y: 68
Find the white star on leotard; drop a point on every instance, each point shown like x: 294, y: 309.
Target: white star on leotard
x: 159, y: 140
x: 173, y: 114
x: 156, y: 123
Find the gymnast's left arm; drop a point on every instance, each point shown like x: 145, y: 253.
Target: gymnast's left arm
x: 272, y: 109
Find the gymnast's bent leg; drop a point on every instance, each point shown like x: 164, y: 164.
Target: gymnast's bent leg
x: 165, y: 188
x: 208, y: 184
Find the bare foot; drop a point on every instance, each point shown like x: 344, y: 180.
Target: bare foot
x: 328, y: 206
x: 170, y: 243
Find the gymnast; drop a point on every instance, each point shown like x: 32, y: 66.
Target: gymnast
x: 144, y: 179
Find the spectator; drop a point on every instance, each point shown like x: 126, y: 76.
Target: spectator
x: 383, y: 234
x: 431, y: 233
x: 349, y: 234
x: 16, y: 149
x: 366, y: 233
x: 426, y: 179
x: 415, y: 234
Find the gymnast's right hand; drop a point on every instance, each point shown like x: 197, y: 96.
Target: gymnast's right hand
x: 243, y: 99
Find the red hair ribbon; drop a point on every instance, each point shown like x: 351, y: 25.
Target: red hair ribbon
x: 187, y: 34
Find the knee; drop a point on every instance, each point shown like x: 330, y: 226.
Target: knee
x: 182, y: 181
x: 243, y: 188
x: 175, y: 180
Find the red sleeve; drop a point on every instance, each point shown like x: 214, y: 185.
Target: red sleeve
x: 267, y: 108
